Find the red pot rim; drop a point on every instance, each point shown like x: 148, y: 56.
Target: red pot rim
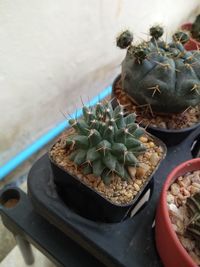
x: 163, y: 198
x: 187, y: 27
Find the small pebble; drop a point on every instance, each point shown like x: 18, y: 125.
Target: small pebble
x: 136, y: 186
x: 154, y: 159
x: 132, y: 171
x: 175, y: 189
x: 151, y: 144
x: 143, y: 139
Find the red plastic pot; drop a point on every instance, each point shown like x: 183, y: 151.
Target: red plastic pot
x: 192, y: 44
x: 172, y: 253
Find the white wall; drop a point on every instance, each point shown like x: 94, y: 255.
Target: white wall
x: 54, y: 51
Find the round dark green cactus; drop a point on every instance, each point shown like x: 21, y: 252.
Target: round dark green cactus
x: 195, y: 31
x: 181, y: 37
x: 156, y: 32
x: 105, y: 141
x: 162, y: 75
x: 124, y: 39
x: 193, y: 227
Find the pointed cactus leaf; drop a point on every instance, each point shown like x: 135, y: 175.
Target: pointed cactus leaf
x: 118, y: 148
x: 69, y: 141
x: 108, y: 113
x: 138, y: 132
x: 104, y: 144
x: 109, y: 161
x: 94, y: 137
x: 132, y: 142
x: 92, y: 117
x: 119, y: 169
x: 92, y: 154
x: 102, y: 127
x: 126, y: 174
x: 118, y: 111
x: 120, y: 136
x: 130, y: 119
x: 72, y: 122
x: 112, y: 122
x: 132, y: 127
x: 97, y: 167
x: 130, y: 159
x: 81, y: 141
x: 120, y: 122
x: 73, y: 155
x: 82, y: 127
x: 80, y: 157
x: 87, y: 169
x: 86, y: 112
x: 109, y: 133
x: 100, y: 110
x: 106, y: 176
x: 138, y: 149
x: 95, y: 124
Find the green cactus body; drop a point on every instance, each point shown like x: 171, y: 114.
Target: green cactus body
x: 195, y: 31
x: 105, y: 142
x: 164, y: 76
x: 193, y: 227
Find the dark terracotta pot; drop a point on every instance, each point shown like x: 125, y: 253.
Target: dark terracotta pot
x: 192, y: 44
x: 172, y: 253
x: 91, y: 204
x: 170, y: 137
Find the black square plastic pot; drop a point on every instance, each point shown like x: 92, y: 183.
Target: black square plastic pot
x: 170, y: 137
x: 88, y: 202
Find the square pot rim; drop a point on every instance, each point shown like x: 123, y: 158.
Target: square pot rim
x: 149, y: 178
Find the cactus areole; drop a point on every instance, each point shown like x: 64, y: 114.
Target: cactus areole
x: 105, y: 142
x: 162, y: 75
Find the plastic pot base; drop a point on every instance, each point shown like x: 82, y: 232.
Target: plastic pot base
x: 125, y: 244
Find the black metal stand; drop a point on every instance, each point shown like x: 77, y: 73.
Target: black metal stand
x: 25, y: 249
x: 30, y: 228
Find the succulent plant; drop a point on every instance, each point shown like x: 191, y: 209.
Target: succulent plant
x: 106, y: 141
x: 195, y: 31
x: 193, y: 227
x: 163, y: 76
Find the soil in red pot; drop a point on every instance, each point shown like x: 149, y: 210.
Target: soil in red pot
x: 184, y: 187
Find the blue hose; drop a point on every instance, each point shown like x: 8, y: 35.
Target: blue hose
x: 46, y: 138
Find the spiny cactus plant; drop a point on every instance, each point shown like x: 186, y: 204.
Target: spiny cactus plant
x: 162, y: 75
x: 195, y: 31
x: 193, y: 227
x: 105, y: 142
